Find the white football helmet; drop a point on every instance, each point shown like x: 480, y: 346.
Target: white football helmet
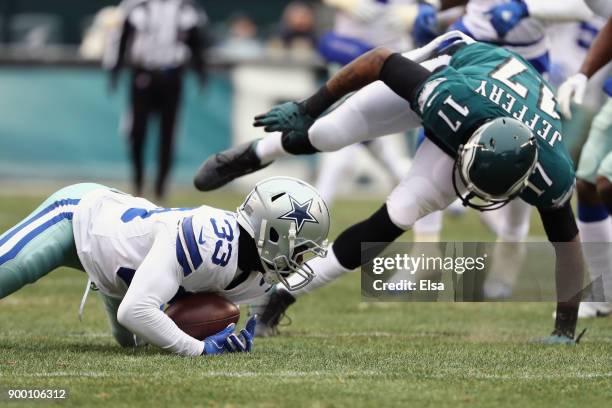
x: 289, y: 222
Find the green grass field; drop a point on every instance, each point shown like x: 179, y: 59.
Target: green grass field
x: 337, y: 352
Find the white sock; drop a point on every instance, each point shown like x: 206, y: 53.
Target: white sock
x: 508, y: 260
x: 326, y: 269
x: 334, y: 168
x: 598, y: 254
x: 270, y: 148
x: 391, y: 156
x: 598, y: 231
x: 492, y: 219
x: 427, y: 229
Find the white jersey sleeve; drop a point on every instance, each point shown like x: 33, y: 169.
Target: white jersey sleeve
x: 155, y: 282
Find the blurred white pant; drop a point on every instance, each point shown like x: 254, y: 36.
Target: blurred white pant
x: 336, y: 167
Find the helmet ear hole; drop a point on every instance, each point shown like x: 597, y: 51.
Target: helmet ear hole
x: 274, y: 235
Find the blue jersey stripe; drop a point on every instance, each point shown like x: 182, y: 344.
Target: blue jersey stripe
x: 190, y: 240
x: 182, y: 259
x: 44, y: 211
x: 33, y: 234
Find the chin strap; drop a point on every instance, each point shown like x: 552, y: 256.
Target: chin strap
x: 262, y: 236
x: 292, y: 236
x: 89, y: 287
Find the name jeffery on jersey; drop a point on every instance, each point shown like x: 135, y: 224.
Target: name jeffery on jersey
x: 483, y: 82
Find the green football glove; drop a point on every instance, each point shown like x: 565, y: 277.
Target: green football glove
x: 289, y: 117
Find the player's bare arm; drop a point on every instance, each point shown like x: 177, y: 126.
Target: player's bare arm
x: 401, y: 74
x: 600, y: 52
x: 361, y: 72
x: 296, y: 118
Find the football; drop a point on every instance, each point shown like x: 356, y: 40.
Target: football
x: 203, y: 314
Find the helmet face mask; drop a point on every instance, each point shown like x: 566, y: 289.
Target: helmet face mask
x: 289, y: 222
x: 503, y: 149
x: 281, y: 267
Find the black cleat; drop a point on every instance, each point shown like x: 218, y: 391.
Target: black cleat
x: 279, y: 302
x: 223, y: 167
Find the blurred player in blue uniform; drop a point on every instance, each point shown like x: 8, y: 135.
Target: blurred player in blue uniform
x: 594, y: 174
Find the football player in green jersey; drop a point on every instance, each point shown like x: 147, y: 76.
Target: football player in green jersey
x: 493, y: 134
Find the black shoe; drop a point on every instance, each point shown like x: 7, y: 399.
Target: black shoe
x: 223, y: 167
x: 279, y: 302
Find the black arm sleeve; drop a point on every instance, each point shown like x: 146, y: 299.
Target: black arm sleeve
x: 403, y: 76
x: 126, y: 34
x: 560, y: 226
x: 195, y: 43
x: 559, y: 223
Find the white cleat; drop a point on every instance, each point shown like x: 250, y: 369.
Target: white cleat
x: 494, y: 290
x: 589, y: 310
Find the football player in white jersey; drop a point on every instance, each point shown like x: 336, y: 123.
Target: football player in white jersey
x: 141, y: 256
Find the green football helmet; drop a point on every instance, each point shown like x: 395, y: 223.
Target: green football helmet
x: 289, y: 222
x: 496, y: 163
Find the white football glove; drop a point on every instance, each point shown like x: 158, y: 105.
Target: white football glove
x: 572, y: 90
x: 364, y: 10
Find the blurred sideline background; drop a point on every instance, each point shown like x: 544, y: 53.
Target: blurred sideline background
x: 59, y: 122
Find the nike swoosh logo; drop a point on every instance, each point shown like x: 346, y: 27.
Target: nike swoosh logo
x: 200, y: 240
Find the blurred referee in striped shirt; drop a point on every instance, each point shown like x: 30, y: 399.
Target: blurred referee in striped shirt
x: 158, y: 40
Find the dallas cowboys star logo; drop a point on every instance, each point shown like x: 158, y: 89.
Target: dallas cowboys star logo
x: 300, y: 213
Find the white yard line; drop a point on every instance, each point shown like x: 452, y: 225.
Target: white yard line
x: 314, y: 374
